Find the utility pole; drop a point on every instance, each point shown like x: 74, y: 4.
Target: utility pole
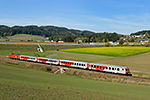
x: 50, y: 60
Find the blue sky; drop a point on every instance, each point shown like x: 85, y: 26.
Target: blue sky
x: 121, y: 16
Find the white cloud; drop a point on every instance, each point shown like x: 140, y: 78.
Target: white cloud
x: 119, y: 21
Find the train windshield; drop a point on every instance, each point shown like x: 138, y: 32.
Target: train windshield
x: 127, y: 69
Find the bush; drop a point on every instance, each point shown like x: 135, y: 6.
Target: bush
x: 48, y: 69
x: 107, y: 44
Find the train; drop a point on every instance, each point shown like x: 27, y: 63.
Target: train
x: 74, y: 64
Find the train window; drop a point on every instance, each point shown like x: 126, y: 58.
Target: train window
x: 117, y: 69
x: 106, y: 67
x: 100, y: 67
x: 94, y: 66
x: 122, y: 69
x: 79, y: 64
x: 97, y: 66
x: 82, y: 64
x: 109, y: 68
x: 103, y: 67
x: 112, y: 68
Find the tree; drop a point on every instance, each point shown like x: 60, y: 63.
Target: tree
x: 149, y: 41
x: 103, y: 40
x: 146, y: 35
x: 107, y: 44
x: 132, y: 40
x: 121, y: 42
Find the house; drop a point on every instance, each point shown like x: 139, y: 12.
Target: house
x: 60, y: 41
x: 137, y: 36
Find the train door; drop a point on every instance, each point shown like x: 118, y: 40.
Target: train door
x: 89, y: 66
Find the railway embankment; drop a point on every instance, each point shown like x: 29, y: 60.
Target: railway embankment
x: 86, y: 74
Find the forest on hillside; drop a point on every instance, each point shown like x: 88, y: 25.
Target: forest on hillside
x: 141, y: 32
x: 59, y: 33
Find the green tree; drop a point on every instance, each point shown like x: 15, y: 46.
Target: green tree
x: 121, y: 42
x: 103, y: 40
x: 132, y: 40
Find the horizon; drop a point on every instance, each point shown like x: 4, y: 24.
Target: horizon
x: 64, y: 27
x: 122, y: 17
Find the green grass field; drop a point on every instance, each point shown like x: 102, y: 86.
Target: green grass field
x: 25, y: 37
x: 19, y: 83
x: 111, y: 51
x: 5, y: 50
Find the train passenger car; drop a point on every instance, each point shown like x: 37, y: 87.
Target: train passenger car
x: 109, y: 68
x: 70, y: 63
x: 54, y: 61
x: 27, y: 58
x: 42, y: 60
x: 47, y: 60
x: 14, y: 56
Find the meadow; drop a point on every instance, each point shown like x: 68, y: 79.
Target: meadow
x: 23, y: 83
x: 5, y: 50
x: 25, y: 37
x: 111, y: 51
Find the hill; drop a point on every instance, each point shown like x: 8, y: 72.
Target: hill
x: 59, y: 33
x: 141, y: 32
x: 42, y: 31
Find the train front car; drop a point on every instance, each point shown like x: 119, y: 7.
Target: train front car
x: 109, y: 68
x: 127, y: 71
x: 14, y: 56
x: 75, y: 64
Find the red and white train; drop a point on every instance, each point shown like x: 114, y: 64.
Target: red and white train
x: 76, y: 64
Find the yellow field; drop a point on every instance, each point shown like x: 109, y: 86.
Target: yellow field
x: 111, y: 51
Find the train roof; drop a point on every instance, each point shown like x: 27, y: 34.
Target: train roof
x: 47, y: 58
x: 73, y: 61
x: 27, y: 55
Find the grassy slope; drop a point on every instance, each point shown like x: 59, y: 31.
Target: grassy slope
x: 25, y: 37
x: 19, y: 83
x: 18, y: 35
